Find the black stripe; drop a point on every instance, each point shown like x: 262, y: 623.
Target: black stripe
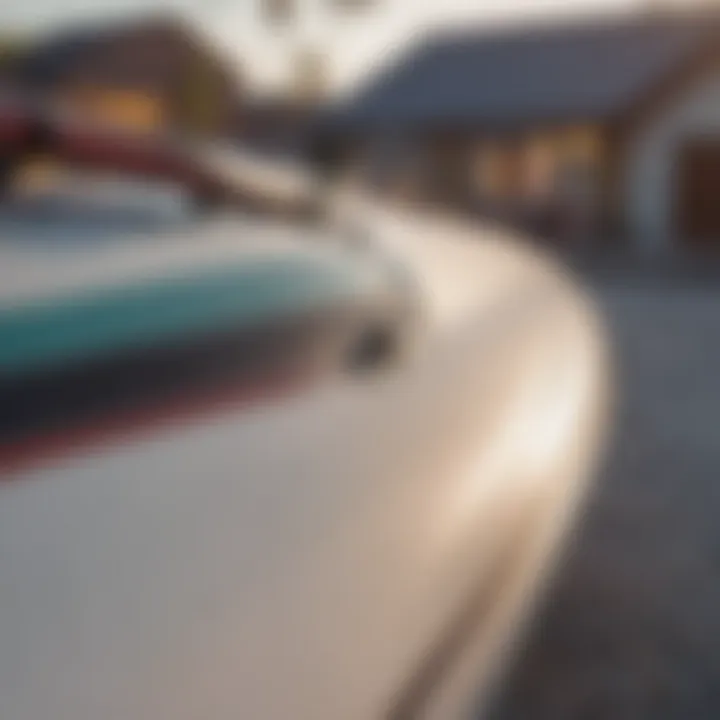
x: 82, y: 393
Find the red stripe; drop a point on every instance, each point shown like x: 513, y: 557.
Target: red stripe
x: 44, y: 448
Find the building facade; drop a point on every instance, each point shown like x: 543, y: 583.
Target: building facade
x: 585, y: 133
x: 146, y: 74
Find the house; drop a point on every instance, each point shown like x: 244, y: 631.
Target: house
x: 147, y: 73
x: 607, y: 129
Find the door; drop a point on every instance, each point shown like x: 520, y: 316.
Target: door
x: 698, y: 209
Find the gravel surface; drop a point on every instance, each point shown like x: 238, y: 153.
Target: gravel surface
x: 631, y: 629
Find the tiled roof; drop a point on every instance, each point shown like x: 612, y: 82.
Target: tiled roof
x: 588, y: 70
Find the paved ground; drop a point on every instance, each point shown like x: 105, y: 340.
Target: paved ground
x: 632, y: 627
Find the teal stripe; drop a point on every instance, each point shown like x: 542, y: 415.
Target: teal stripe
x: 39, y: 335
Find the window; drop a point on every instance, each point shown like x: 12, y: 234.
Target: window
x: 540, y: 168
x: 495, y: 170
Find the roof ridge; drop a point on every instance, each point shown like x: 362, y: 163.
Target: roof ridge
x: 91, y: 28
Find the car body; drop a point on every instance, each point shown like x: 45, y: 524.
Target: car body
x: 361, y: 548
x: 239, y: 311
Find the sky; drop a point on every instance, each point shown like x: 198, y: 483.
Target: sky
x: 354, y: 45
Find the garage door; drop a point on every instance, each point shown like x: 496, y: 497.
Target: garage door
x: 698, y: 218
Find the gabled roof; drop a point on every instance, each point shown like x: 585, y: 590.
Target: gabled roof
x: 53, y: 55
x: 62, y: 51
x: 588, y: 70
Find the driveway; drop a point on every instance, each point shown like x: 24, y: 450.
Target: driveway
x: 631, y: 629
